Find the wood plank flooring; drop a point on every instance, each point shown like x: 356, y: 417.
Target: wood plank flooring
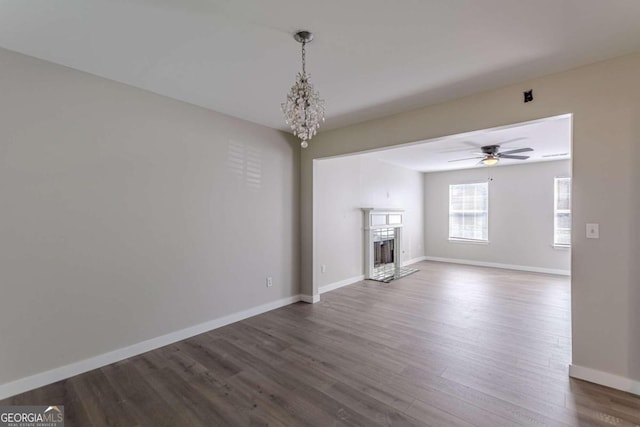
x: 448, y: 346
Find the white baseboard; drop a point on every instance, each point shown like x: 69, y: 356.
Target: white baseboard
x: 414, y: 260
x: 341, y: 283
x: 310, y: 299
x: 605, y: 379
x: 500, y: 265
x: 48, y: 377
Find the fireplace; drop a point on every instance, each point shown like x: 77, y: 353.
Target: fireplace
x: 383, y: 244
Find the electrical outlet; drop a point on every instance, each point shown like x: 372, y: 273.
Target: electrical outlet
x: 269, y: 282
x: 323, y: 268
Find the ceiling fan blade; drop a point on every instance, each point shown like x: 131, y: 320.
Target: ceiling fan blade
x: 468, y: 158
x: 509, y: 156
x: 469, y: 143
x: 518, y: 150
x: 475, y: 145
x: 509, y: 141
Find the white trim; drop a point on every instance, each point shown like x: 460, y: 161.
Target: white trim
x: 414, y: 260
x: 310, y: 299
x: 341, y: 283
x: 500, y: 265
x: 605, y: 379
x: 468, y: 241
x: 48, y: 377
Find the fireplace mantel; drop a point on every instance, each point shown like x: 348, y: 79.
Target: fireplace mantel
x: 383, y: 218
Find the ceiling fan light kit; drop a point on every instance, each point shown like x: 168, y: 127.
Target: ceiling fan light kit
x: 490, y: 161
x: 303, y: 110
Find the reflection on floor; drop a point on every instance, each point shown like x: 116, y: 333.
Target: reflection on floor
x: 388, y: 272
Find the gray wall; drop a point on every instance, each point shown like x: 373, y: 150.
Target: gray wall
x: 344, y: 186
x: 605, y: 101
x: 520, y: 215
x: 126, y: 215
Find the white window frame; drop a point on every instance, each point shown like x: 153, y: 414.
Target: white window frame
x: 557, y: 211
x: 456, y: 239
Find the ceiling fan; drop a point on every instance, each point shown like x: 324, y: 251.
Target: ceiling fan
x: 491, y: 154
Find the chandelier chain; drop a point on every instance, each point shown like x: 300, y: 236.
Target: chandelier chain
x: 304, y: 58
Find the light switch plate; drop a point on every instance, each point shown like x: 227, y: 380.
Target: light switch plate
x: 593, y: 231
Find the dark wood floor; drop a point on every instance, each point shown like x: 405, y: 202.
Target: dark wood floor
x: 448, y: 346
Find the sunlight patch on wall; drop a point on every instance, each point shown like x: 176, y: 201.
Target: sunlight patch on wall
x: 245, y: 163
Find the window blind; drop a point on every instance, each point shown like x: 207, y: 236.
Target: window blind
x: 469, y: 211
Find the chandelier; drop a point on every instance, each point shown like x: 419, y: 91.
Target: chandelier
x: 303, y: 110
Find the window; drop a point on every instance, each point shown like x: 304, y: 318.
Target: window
x: 562, y: 212
x: 468, y: 212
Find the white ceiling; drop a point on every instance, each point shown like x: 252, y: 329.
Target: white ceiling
x: 550, y: 139
x: 370, y: 58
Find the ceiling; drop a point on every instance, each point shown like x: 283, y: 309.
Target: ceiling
x: 550, y: 139
x: 370, y: 58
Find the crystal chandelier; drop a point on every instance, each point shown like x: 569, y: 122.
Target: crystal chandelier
x: 303, y: 110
